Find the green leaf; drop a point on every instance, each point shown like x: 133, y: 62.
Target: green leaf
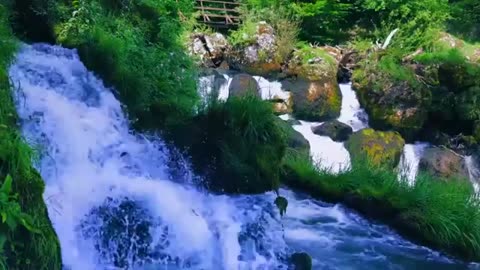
x: 7, y: 185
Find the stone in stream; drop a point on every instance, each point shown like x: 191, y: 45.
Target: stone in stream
x: 242, y: 84
x: 444, y: 163
x: 335, y: 129
x: 301, y: 261
x: 315, y: 92
x: 376, y: 147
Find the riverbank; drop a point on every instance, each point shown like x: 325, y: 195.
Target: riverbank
x: 441, y: 214
x: 28, y: 239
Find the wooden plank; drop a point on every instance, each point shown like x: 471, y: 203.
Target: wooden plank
x: 219, y: 2
x: 220, y: 16
x: 218, y: 9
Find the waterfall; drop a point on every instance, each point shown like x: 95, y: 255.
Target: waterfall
x: 115, y: 205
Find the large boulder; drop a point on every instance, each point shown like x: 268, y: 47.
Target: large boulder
x: 315, y: 92
x: 335, y: 129
x: 209, y: 48
x: 257, y: 54
x: 377, y: 147
x: 392, y: 104
x: 444, y: 163
x: 242, y: 84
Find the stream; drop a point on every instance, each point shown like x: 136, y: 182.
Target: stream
x: 115, y: 204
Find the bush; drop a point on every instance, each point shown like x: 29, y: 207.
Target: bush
x: 135, y: 46
x: 238, y: 145
x: 443, y: 214
x: 282, y: 20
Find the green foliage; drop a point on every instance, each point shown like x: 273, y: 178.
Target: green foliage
x: 418, y: 21
x: 443, y: 214
x: 465, y: 18
x: 32, y: 245
x: 238, y: 145
x: 136, y: 47
x: 283, y: 21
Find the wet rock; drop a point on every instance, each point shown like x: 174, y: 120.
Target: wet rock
x: 301, y: 261
x: 242, y: 84
x: 335, y: 129
x: 444, y: 163
x: 315, y: 92
x: 392, y: 104
x: 377, y: 147
x: 314, y: 100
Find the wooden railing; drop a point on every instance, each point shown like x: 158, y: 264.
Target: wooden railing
x: 219, y: 13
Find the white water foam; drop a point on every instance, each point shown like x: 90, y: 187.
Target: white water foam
x: 89, y: 157
x: 410, y: 160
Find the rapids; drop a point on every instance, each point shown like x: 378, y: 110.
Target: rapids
x: 115, y: 204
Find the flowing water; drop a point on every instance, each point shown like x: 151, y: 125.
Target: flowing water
x: 115, y: 204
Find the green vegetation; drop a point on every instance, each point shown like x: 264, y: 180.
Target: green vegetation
x: 238, y: 145
x: 26, y: 235
x: 443, y: 214
x: 136, y: 47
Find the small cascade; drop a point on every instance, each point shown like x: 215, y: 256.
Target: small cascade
x: 408, y: 167
x: 473, y: 166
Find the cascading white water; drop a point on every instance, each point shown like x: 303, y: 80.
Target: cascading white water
x: 114, y: 204
x: 408, y: 167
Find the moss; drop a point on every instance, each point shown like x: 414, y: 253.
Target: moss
x: 380, y: 148
x: 27, y: 249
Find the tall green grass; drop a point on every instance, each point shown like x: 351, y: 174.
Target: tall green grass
x: 238, y: 145
x: 442, y: 214
x: 136, y: 47
x: 24, y: 249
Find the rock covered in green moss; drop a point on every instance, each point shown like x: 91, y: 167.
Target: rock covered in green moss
x: 256, y: 52
x: 392, y: 103
x: 315, y: 92
x: 377, y: 147
x: 335, y: 129
x: 444, y: 163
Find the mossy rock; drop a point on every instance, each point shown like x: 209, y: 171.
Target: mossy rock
x: 377, y: 147
x: 392, y: 104
x: 315, y: 100
x: 313, y: 64
x: 476, y: 130
x: 335, y: 129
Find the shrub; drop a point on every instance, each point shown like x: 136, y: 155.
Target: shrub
x: 135, y: 46
x: 238, y: 145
